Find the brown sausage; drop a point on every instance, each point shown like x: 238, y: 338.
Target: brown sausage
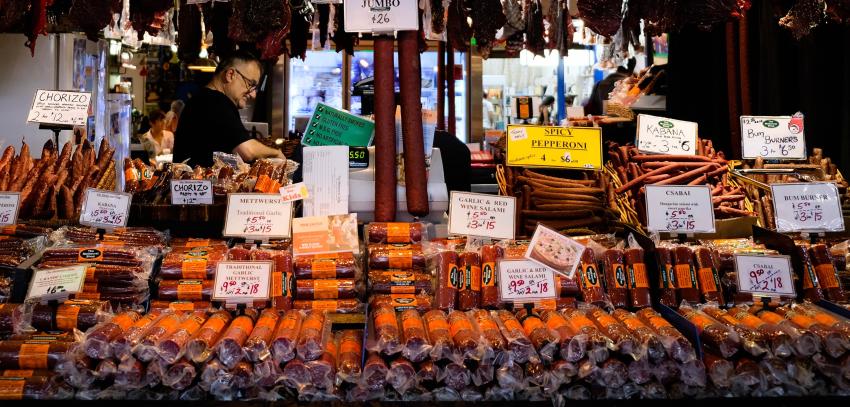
x: 469, y: 295
x: 449, y: 280
x: 591, y: 283
x: 258, y: 345
x: 709, y: 277
x: 615, y: 277
x: 387, y: 334
x: 462, y: 333
x: 686, y: 281
x: 337, y: 265
x: 490, y: 254
x: 826, y: 272
x: 638, y: 279
x: 404, y: 257
x: 309, y: 345
x: 286, y: 336
x: 395, y: 232
x: 400, y: 282
x: 385, y: 142
x: 229, y: 346
x: 97, y: 342
x: 185, y: 290
x: 32, y: 354
x: 414, y: 337
x: 199, y: 348
x: 325, y: 289
x: 439, y: 335
x: 410, y: 88
x: 666, y: 277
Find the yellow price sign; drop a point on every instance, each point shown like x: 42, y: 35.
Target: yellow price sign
x: 555, y: 147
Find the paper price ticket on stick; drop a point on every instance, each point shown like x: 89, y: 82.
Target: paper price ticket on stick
x: 482, y: 215
x: 239, y: 282
x: 660, y: 135
x: 773, y: 137
x: 524, y: 281
x: 56, y: 283
x: 765, y: 276
x: 807, y: 207
x: 9, y: 204
x: 105, y: 209
x: 679, y: 209
x: 191, y: 192
x: 59, y: 107
x: 257, y: 216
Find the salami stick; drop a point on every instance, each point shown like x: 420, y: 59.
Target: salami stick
x: 286, y: 336
x: 385, y: 145
x: 410, y: 87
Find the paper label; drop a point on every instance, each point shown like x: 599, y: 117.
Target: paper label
x: 482, y: 215
x: 807, y: 207
x: 679, y: 209
x: 242, y: 281
x: 9, y: 203
x: 525, y: 281
x: 263, y: 216
x: 325, y: 234
x: 766, y: 276
x: 191, y: 192
x: 48, y: 284
x: 660, y: 135
x: 381, y: 16
x: 59, y: 107
x: 773, y: 137
x: 555, y: 147
x: 554, y: 250
x: 326, y: 176
x: 105, y: 209
x: 294, y: 192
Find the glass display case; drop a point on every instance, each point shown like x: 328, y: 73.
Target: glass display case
x: 318, y: 80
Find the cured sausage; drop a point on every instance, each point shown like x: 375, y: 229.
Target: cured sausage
x: 490, y: 254
x: 615, y: 277
x: 192, y: 263
x: 179, y: 375
x: 647, y: 337
x: 489, y: 330
x: 229, y: 346
x: 448, y: 280
x: 811, y: 286
x: 337, y: 265
x: 463, y: 335
x: 590, y: 281
x: 588, y: 339
x: 200, y: 347
x: 325, y: 289
x: 469, y: 295
x: 638, y: 279
x: 185, y: 290
x: 404, y: 257
x: 257, y: 346
x: 686, y: 281
x: 555, y: 322
x: 385, y: 136
x: 519, y: 344
x: 806, y: 342
x: 123, y: 345
x: 752, y: 341
x: 286, y: 336
x: 414, y: 337
x: 401, y: 302
x: 97, y: 343
x: 833, y: 342
x: 826, y: 272
x: 296, y: 374
x: 401, y: 374
x: 715, y: 335
x: 544, y: 341
x: 146, y: 349
x: 387, y: 334
x: 781, y: 344
x: 623, y: 339
x: 666, y: 277
x: 173, y: 346
x: 709, y: 278
x: 410, y: 88
x: 350, y: 355
x: 70, y: 315
x: 323, y: 370
x: 375, y: 372
x: 400, y: 282
x: 439, y: 334
x: 311, y: 337
x: 395, y: 232
x: 339, y: 306
x: 32, y: 354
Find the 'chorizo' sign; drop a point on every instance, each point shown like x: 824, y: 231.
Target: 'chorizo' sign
x: 59, y: 107
x: 191, y: 192
x: 381, y: 16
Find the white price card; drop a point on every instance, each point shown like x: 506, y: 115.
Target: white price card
x: 773, y: 137
x: 523, y: 281
x: 294, y: 192
x: 381, y: 16
x: 482, y: 215
x: 679, y: 209
x: 765, y: 276
x: 59, y: 107
x: 50, y: 284
x: 262, y: 216
x: 9, y: 203
x: 191, y: 192
x: 660, y: 135
x: 105, y: 209
x: 807, y: 207
x: 554, y: 250
x: 242, y: 281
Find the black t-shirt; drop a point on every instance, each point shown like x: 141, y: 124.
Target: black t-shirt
x: 210, y: 122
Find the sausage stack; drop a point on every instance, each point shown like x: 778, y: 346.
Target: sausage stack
x: 188, y: 270
x: 327, y: 282
x: 398, y: 269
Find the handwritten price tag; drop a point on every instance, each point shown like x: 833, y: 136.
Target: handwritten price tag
x: 59, y: 107
x: 660, y: 135
x: 482, y: 215
x: 105, y: 209
x: 49, y: 284
x: 381, y: 16
x: 264, y: 216
x: 773, y: 137
x: 807, y: 207
x: 679, y: 208
x: 766, y: 276
x: 525, y: 281
x: 191, y: 192
x: 242, y: 281
x: 9, y: 203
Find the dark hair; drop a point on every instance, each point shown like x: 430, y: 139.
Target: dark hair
x: 548, y: 100
x: 156, y: 116
x: 237, y: 57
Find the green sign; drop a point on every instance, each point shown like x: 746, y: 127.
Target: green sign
x: 333, y: 127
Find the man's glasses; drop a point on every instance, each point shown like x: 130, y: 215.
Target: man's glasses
x: 251, y: 84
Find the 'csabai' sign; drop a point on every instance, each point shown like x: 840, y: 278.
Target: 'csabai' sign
x: 381, y: 16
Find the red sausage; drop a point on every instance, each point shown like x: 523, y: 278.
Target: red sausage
x: 410, y: 87
x: 385, y: 152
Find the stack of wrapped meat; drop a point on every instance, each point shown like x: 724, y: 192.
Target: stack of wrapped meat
x: 188, y: 271
x: 17, y: 243
x: 398, y: 266
x: 281, y: 258
x: 328, y: 282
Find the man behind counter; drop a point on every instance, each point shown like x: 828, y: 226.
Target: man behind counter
x: 210, y: 121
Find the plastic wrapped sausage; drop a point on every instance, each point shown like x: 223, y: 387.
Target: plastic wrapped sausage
x: 589, y: 338
x: 806, y: 343
x: 489, y: 329
x: 469, y: 294
x: 400, y: 282
x: 544, y: 341
x: 312, y: 336
x: 401, y: 374
x: 281, y: 290
x: 715, y: 335
x: 456, y: 376
x: 414, y: 336
x: 97, y: 342
x: 569, y: 348
x: 70, y: 315
x: 200, y: 347
x: 811, y: 286
x: 638, y: 279
x: 590, y: 279
x: 350, y: 355
x: 146, y: 349
x: 780, y: 343
x: 340, y: 306
x: 395, y: 232
x: 439, y: 334
x: 34, y: 388
x: 323, y: 370
x: 336, y: 265
x: 826, y: 272
x: 401, y: 302
x: 374, y: 372
x: 296, y: 374
x: 520, y: 346
x: 834, y: 343
x: 258, y: 345
x: 448, y: 280
x: 666, y: 277
x: 179, y: 375
x: 678, y: 347
x: 325, y: 289
x: 719, y: 370
x: 752, y: 341
x: 615, y: 277
x: 184, y: 306
x: 709, y: 278
x: 405, y: 257
x: 624, y: 341
x: 388, y: 339
x: 185, y: 290
x: 827, y: 318
x: 10, y: 317
x: 229, y: 346
x: 647, y: 337
x: 32, y: 354
x: 686, y: 281
x: 286, y: 336
x: 122, y: 346
x: 192, y: 263
x: 463, y: 335
x: 173, y: 346
x: 490, y: 255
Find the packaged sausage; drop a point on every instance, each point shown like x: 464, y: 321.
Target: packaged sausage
x: 258, y: 345
x: 314, y: 329
x: 590, y: 279
x: 396, y: 232
x: 825, y: 317
x: 428, y: 374
x: 181, y: 306
x: 387, y: 339
x: 623, y: 340
x: 185, y: 290
x: 197, y: 262
x: 146, y: 349
x: 10, y: 317
x: 97, y: 342
x: 179, y: 375
x: 779, y: 342
x: 519, y: 345
x: 281, y: 289
x: 173, y: 346
x: 752, y: 341
x: 400, y: 282
x: 122, y: 345
x: 32, y: 354
x: 401, y: 302
x: 747, y: 377
x: 286, y: 335
x: 405, y: 257
x: 350, y: 355
x: 638, y: 279
x: 806, y: 343
x: 719, y: 370
x: 544, y: 340
x: 374, y: 372
x: 469, y: 294
x: 613, y: 373
x: 349, y: 306
x: 709, y: 278
x: 589, y: 338
x: 686, y: 281
x: 200, y: 346
x: 833, y: 342
x: 240, y: 252
x: 826, y: 272
x: 569, y: 348
x: 678, y: 347
x: 414, y: 336
x: 484, y: 323
x: 449, y: 280
x: 666, y: 277
x: 70, y: 315
x: 714, y: 334
x: 322, y: 266
x: 323, y: 370
x: 439, y: 334
x: 463, y: 335
x: 648, y: 338
x: 456, y: 376
x: 229, y: 345
x: 615, y: 277
x: 566, y: 286
x: 490, y: 255
x: 811, y: 286
x: 325, y: 289
x: 401, y: 374
x: 34, y: 388
x: 296, y: 374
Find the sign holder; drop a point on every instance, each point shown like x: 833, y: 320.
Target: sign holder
x: 55, y: 128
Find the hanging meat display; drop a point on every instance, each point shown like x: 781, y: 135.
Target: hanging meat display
x: 342, y: 39
x: 438, y: 16
x: 272, y: 45
x: 601, y: 16
x: 189, y: 32
x: 514, y: 27
x: 149, y: 16
x: 459, y: 31
x: 37, y: 22
x: 300, y: 32
x: 534, y: 34
x: 91, y: 16
x: 803, y: 16
x: 706, y: 14
x: 838, y: 11
x: 487, y: 18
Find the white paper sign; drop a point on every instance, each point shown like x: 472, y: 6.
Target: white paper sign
x: 191, y: 192
x: 765, y: 276
x: 9, y: 203
x: 260, y: 216
x: 381, y: 16
x: 554, y: 250
x: 679, y: 209
x: 482, y: 215
x: 326, y: 176
x: 523, y: 281
x: 105, y: 209
x: 59, y: 107
x: 773, y: 137
x: 294, y: 192
x: 807, y: 207
x: 48, y: 284
x: 242, y: 281
x: 660, y: 135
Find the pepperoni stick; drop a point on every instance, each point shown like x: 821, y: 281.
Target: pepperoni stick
x: 286, y: 336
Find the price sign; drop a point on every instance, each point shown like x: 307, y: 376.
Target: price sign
x: 263, y: 216
x: 765, y: 276
x: 807, y: 207
x: 773, y: 137
x: 105, y: 209
x: 59, y: 107
x: 679, y: 209
x: 482, y: 215
x: 381, y: 16
x: 660, y: 135
x: 555, y: 147
x: 525, y: 281
x: 50, y: 284
x: 242, y: 281
x: 9, y: 203
x: 191, y: 192
x: 554, y: 250
x: 294, y: 192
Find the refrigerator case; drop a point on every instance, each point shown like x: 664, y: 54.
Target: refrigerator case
x: 319, y: 80
x: 117, y: 110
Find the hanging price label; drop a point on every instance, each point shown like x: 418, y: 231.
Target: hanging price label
x: 482, y: 215
x: 381, y: 16
x: 9, y: 203
x: 262, y: 216
x: 525, y: 281
x: 807, y: 207
x: 191, y: 192
x: 49, y: 284
x: 679, y: 209
x: 765, y: 276
x: 105, y: 209
x: 773, y: 137
x: 242, y: 281
x: 660, y: 135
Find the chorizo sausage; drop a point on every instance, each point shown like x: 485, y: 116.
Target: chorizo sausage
x: 185, y: 290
